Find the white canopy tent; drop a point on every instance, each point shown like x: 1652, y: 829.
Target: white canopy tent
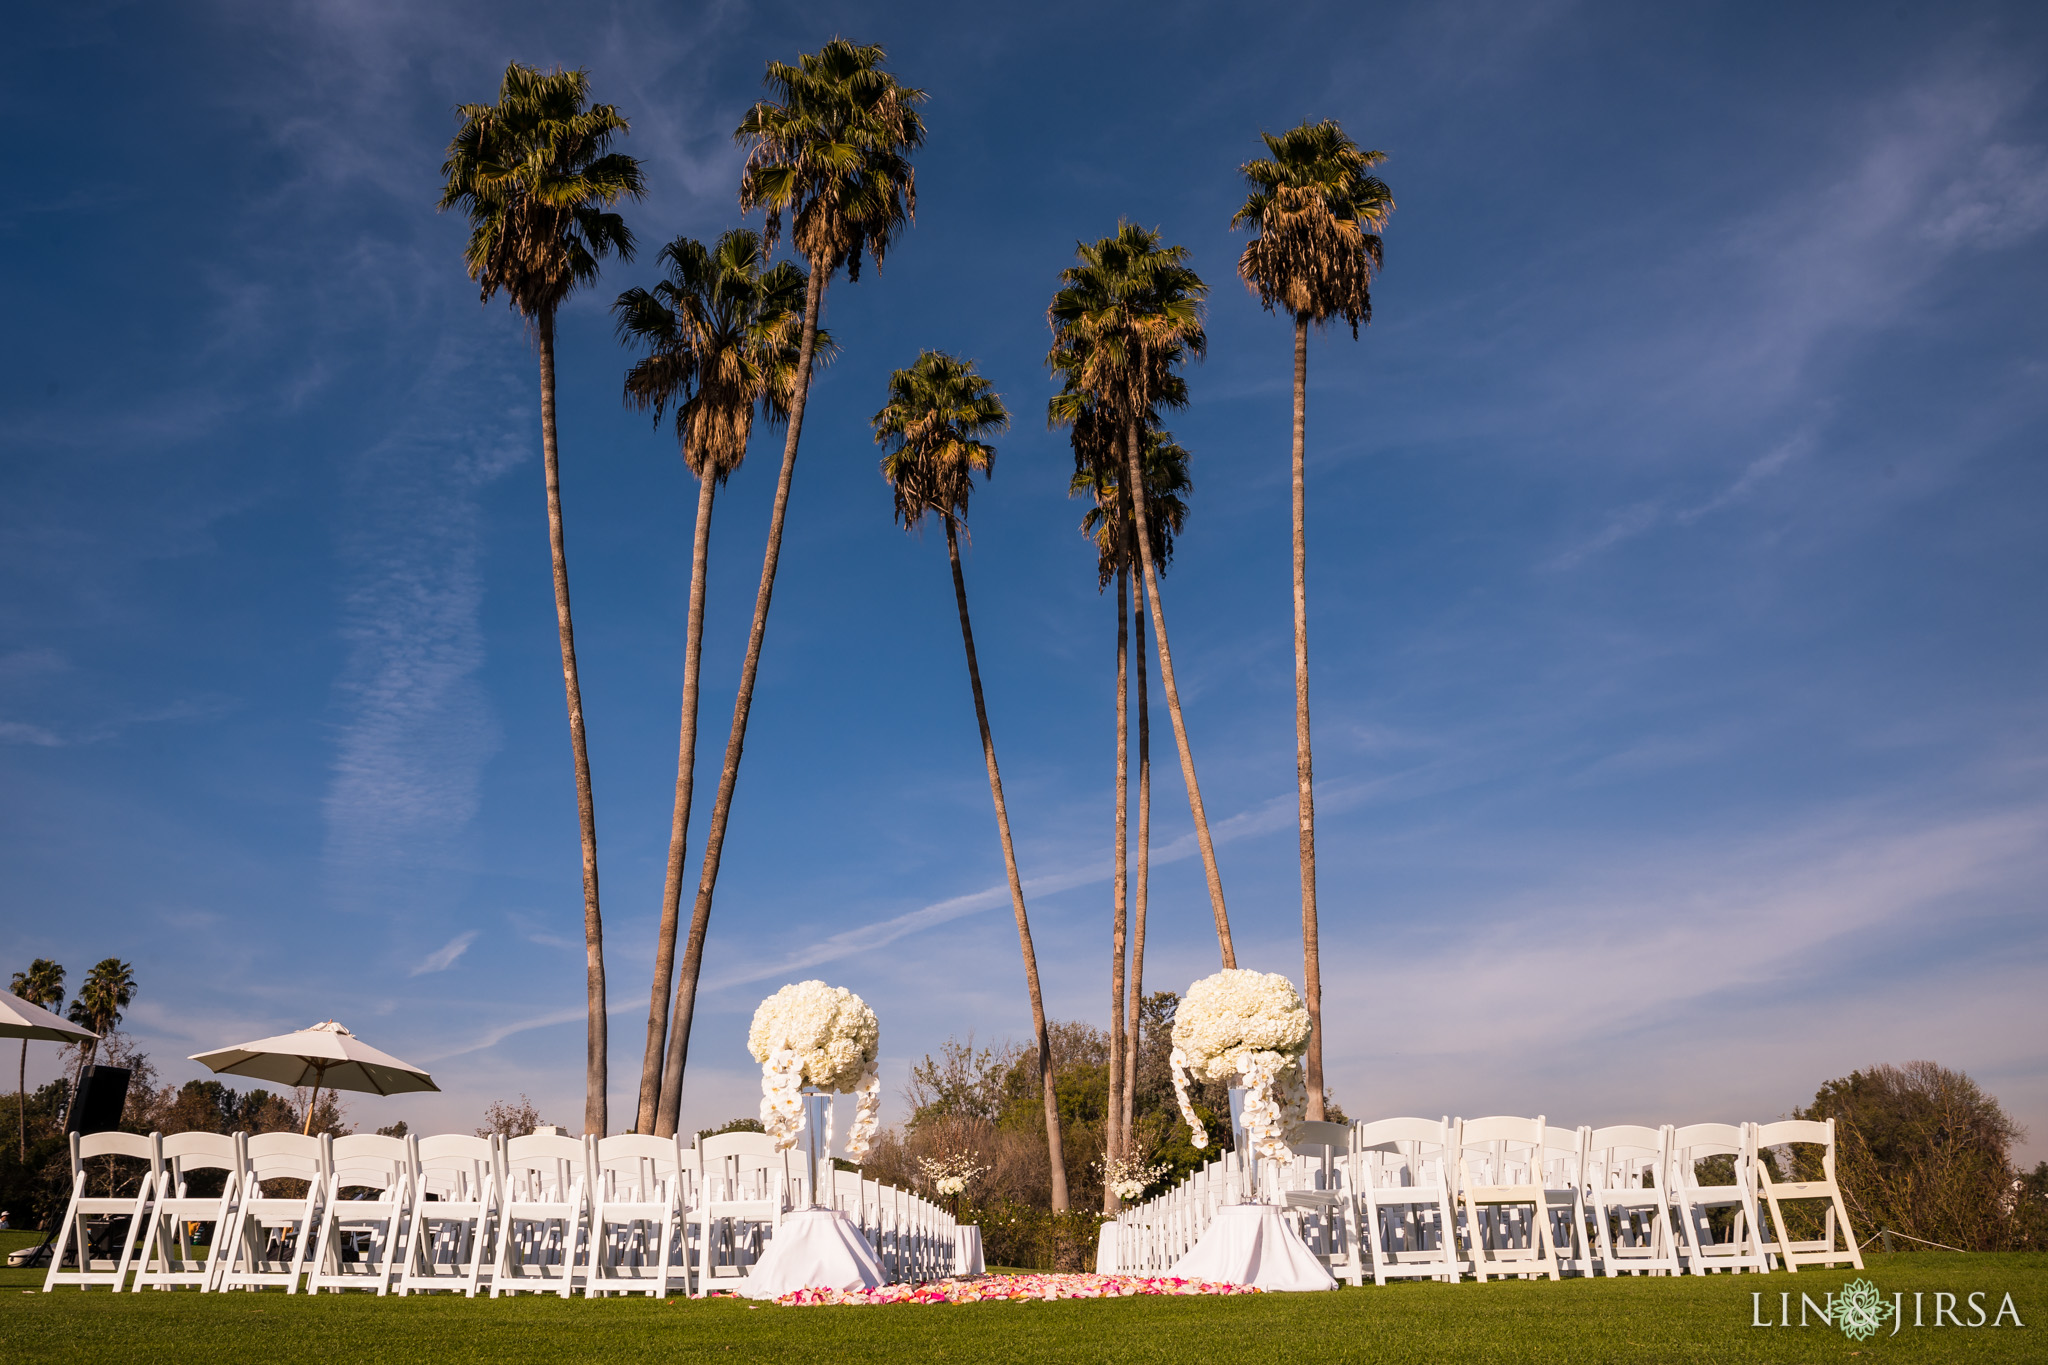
x: 323, y: 1055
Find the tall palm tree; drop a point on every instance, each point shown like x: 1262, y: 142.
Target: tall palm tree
x: 1317, y: 214
x: 1123, y: 321
x: 829, y: 151
x: 932, y: 428
x: 41, y: 985
x: 1098, y: 474
x: 536, y: 177
x: 107, y: 989
x: 720, y: 333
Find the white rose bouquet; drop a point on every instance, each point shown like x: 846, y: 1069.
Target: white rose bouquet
x: 1249, y: 1024
x: 819, y: 1035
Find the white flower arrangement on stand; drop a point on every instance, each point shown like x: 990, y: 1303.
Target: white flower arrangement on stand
x: 1252, y: 1025
x: 824, y: 1037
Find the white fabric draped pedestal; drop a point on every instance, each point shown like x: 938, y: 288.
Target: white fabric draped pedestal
x: 813, y: 1249
x: 1254, y: 1244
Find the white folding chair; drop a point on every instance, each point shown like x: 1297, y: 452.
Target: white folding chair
x: 1731, y: 1204
x: 745, y: 1182
x: 363, y: 1215
x: 1627, y: 1166
x: 1564, y: 1187
x: 544, y: 1222
x: 636, y: 1224
x: 1818, y: 1250
x: 271, y: 1231
x: 171, y: 1251
x: 454, y: 1214
x: 1314, y: 1186
x: 1402, y: 1169
x: 1500, y: 1174
x: 99, y: 1231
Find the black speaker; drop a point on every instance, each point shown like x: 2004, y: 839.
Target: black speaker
x: 102, y: 1090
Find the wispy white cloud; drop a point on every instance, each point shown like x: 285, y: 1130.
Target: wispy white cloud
x: 445, y: 956
x: 1641, y: 518
x: 22, y: 732
x: 418, y: 728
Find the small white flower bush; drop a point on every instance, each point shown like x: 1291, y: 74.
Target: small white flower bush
x: 1249, y: 1024
x: 823, y: 1036
x: 1128, y: 1177
x: 950, y: 1174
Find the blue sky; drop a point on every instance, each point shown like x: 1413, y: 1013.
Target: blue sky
x: 1677, y: 573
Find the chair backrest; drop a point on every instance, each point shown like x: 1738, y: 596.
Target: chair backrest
x: 369, y: 1161
x: 105, y: 1148
x: 545, y: 1166
x: 1785, y: 1132
x: 1695, y: 1142
x: 141, y: 1146
x: 1620, y: 1155
x: 633, y: 1166
x: 454, y: 1165
x: 188, y: 1152
x: 1564, y: 1156
x: 282, y: 1156
x: 1501, y: 1150
x: 744, y: 1165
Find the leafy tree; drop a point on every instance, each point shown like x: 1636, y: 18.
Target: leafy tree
x: 108, y: 989
x: 503, y: 1118
x: 1123, y: 321
x: 537, y: 178
x: 720, y: 332
x: 1317, y: 214
x: 1921, y: 1150
x: 938, y: 413
x: 42, y: 985
x: 829, y: 151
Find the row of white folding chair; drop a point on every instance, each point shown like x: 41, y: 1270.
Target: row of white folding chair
x: 1621, y: 1199
x: 259, y: 1236
x: 1532, y: 1198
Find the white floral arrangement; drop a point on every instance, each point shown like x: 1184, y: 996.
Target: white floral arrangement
x: 825, y: 1037
x: 1249, y: 1024
x: 950, y: 1174
x: 1128, y: 1177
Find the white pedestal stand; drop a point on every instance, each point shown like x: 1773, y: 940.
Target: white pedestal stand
x: 1253, y: 1243
x: 815, y: 1247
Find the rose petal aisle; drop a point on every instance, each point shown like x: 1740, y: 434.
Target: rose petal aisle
x: 1011, y: 1289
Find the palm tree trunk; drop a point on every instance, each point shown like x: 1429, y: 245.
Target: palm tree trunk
x: 21, y: 1100
x: 1304, y: 764
x: 1135, y: 480
x: 1142, y: 881
x: 728, y: 777
x: 1054, y: 1148
x: 1118, y: 1141
x: 679, y: 823
x: 594, y: 1118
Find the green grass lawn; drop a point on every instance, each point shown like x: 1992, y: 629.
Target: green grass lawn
x: 1575, y: 1321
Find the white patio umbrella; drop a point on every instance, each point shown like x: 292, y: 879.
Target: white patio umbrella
x: 325, y: 1054
x: 20, y: 1019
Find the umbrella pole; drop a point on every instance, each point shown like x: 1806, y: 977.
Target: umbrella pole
x: 319, y: 1075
